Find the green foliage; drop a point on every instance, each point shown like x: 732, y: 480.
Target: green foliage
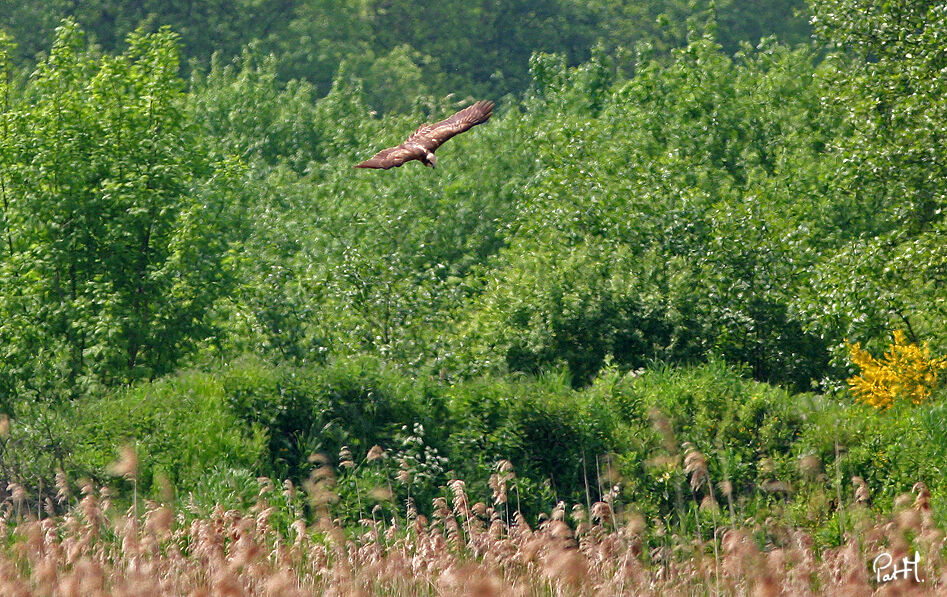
x: 114, y: 222
x: 612, y: 275
x: 888, y: 83
x: 551, y: 436
x: 204, y: 28
x: 712, y: 406
x: 890, y: 451
x: 404, y: 50
x: 745, y: 430
x: 575, y: 309
x: 355, y: 402
x: 667, y: 24
x: 179, y: 428
x: 249, y: 114
x: 672, y: 218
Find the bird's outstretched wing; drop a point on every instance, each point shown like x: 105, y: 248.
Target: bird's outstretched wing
x: 428, y: 137
x: 393, y: 157
x: 432, y: 136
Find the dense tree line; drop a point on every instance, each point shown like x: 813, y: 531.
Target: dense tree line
x: 752, y: 208
x: 410, y: 49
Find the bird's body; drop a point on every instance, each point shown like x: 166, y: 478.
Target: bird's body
x: 423, y: 142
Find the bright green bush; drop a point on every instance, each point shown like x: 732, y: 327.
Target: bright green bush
x: 745, y: 430
x: 551, y: 434
x: 891, y: 451
x: 180, y: 427
x: 356, y: 402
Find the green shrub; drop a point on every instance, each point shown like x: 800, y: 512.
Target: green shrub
x: 891, y: 451
x: 356, y: 402
x: 550, y: 433
x: 746, y: 430
x: 180, y: 427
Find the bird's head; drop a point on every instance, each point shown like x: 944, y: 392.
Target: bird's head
x: 430, y: 160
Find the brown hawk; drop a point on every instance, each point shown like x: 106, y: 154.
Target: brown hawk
x: 423, y: 142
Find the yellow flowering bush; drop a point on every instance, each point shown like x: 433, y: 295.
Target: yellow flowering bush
x: 905, y: 372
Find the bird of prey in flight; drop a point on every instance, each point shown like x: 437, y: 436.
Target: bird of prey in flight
x: 423, y: 142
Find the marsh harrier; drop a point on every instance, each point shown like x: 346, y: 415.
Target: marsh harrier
x: 423, y: 142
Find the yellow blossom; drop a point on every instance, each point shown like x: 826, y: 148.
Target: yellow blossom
x: 906, y: 371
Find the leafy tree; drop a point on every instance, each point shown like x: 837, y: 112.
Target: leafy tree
x: 893, y: 90
x: 670, y: 219
x: 885, y: 77
x: 116, y: 220
x: 320, y: 35
x: 248, y: 113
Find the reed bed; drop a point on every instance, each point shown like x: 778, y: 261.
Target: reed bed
x: 478, y: 548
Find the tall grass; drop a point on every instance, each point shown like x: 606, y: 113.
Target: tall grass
x: 466, y: 547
